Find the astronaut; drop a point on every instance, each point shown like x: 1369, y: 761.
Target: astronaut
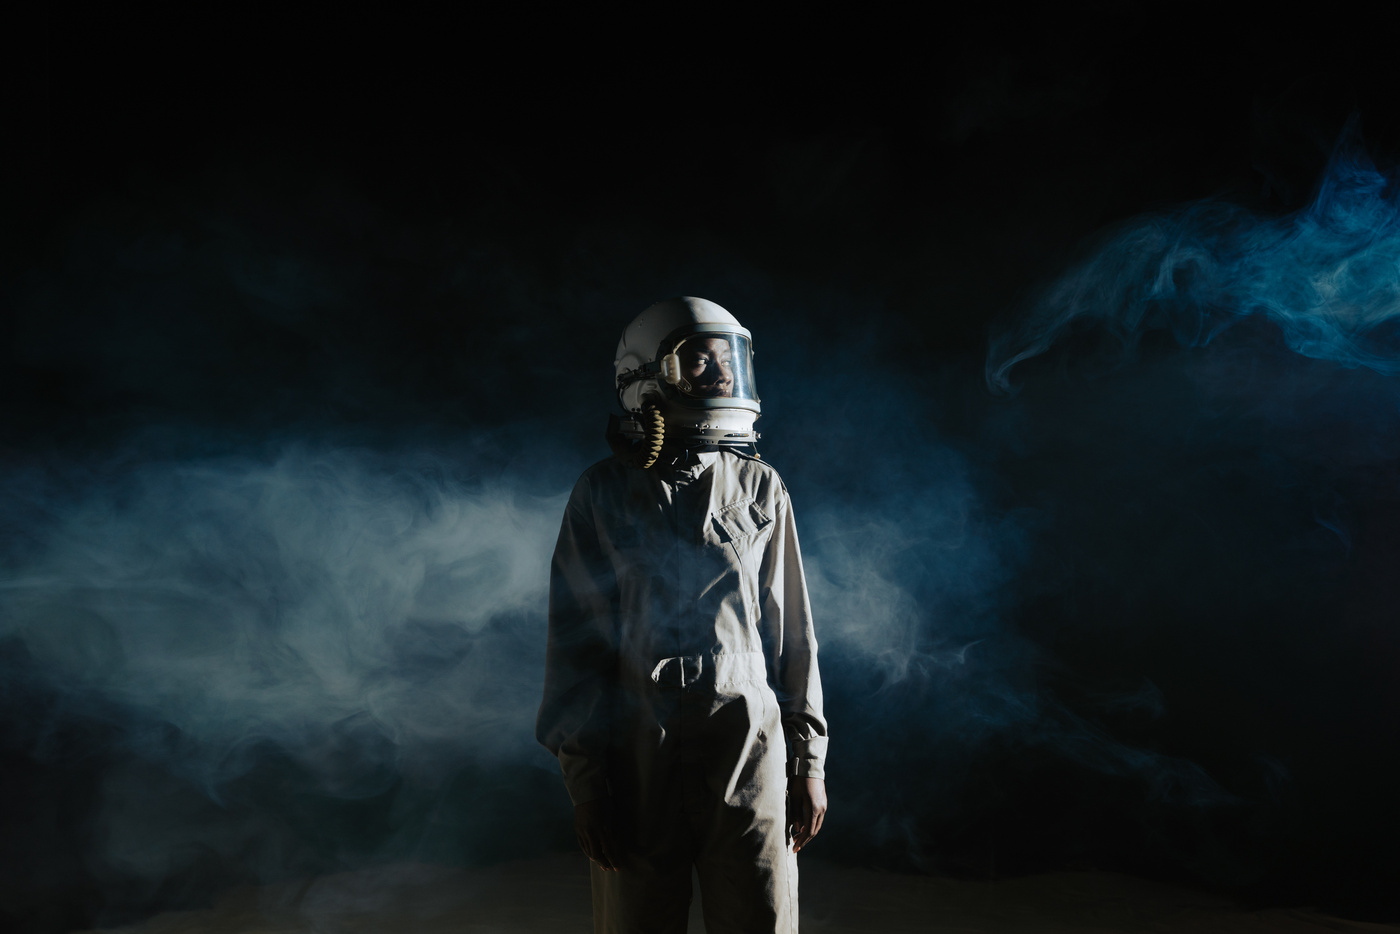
x: 682, y: 695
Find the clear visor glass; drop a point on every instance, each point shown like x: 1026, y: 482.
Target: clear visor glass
x: 714, y: 366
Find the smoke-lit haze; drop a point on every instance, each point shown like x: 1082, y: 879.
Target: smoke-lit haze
x: 352, y: 620
x: 1079, y: 365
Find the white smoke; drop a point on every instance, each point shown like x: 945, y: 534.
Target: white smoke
x: 292, y: 600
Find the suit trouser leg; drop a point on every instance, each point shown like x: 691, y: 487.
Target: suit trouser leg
x: 747, y: 870
x: 731, y: 826
x: 740, y: 851
x: 650, y: 892
x: 641, y: 899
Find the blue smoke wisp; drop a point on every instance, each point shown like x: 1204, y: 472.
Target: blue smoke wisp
x: 1328, y: 276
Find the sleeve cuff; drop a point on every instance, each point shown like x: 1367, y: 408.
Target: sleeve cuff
x: 808, y: 758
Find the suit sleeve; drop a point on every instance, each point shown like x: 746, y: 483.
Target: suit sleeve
x: 580, y: 658
x: 787, y: 613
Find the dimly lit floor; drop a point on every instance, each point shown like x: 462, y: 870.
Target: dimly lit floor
x: 551, y: 895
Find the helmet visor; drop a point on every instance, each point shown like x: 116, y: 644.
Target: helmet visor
x: 715, y: 366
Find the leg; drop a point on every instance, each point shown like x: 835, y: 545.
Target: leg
x: 651, y: 891
x: 748, y: 873
x: 641, y: 899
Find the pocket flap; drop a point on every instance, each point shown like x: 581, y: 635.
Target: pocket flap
x: 740, y: 520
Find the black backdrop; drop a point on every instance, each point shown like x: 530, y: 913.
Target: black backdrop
x: 1136, y: 615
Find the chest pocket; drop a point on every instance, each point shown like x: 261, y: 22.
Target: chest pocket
x: 741, y: 524
x: 744, y: 528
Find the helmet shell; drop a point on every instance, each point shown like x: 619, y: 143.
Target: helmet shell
x: 650, y: 336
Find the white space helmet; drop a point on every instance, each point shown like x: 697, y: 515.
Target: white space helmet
x: 693, y: 360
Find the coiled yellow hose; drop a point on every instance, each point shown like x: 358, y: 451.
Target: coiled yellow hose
x: 643, y: 454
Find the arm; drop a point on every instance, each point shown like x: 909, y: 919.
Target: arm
x: 580, y: 665
x: 787, y: 615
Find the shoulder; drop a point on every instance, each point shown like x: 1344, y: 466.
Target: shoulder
x: 747, y: 465
x: 605, y: 475
x: 746, y: 477
x: 606, y: 471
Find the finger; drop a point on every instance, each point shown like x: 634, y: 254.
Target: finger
x: 591, y: 848
x: 809, y: 829
x: 818, y: 818
x: 800, y: 840
x: 608, y: 860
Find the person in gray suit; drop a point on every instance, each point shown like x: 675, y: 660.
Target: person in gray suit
x: 682, y: 695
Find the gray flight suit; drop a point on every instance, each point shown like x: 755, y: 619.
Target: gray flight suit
x: 681, y: 679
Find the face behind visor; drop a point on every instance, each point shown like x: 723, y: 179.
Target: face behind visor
x: 708, y: 366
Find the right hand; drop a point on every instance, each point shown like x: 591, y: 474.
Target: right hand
x: 593, y: 824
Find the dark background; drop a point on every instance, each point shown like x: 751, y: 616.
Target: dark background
x: 1137, y: 616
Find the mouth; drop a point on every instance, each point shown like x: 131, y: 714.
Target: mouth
x: 711, y: 390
